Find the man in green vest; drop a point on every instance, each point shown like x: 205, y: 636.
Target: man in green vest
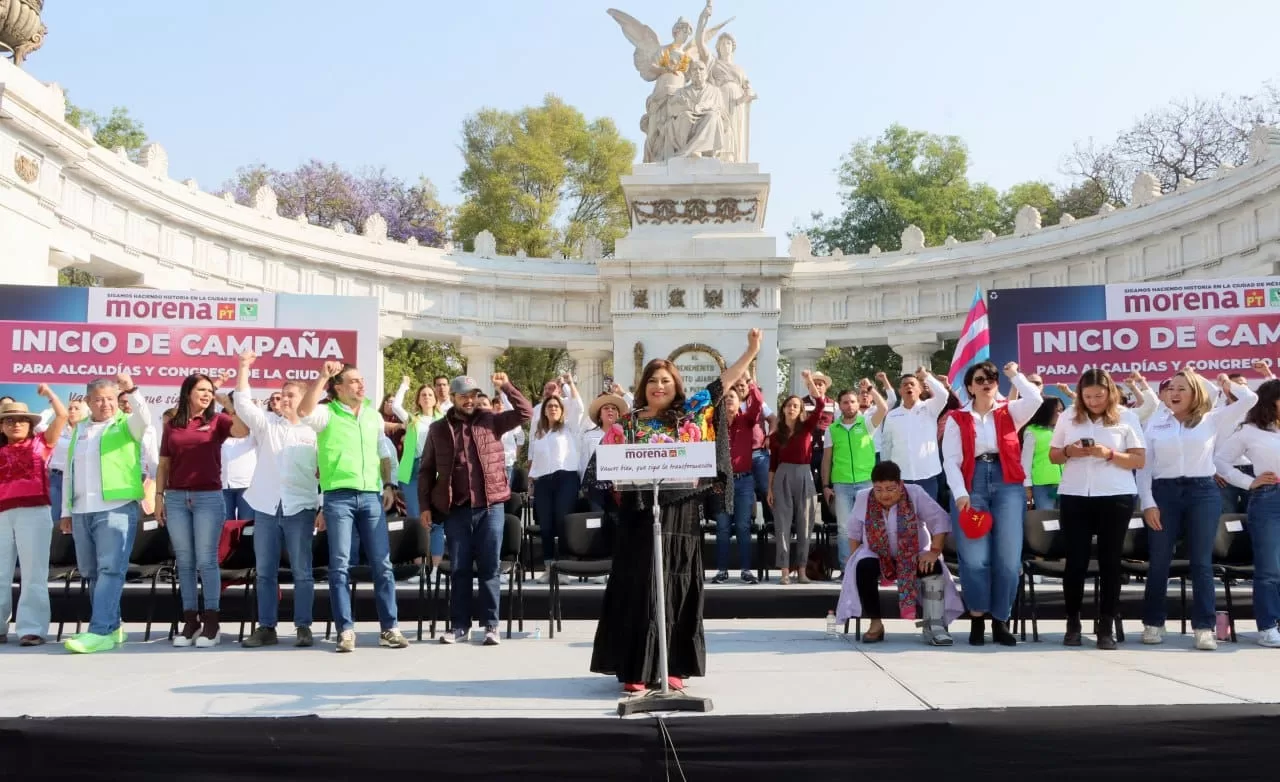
x: 347, y: 428
x: 102, y: 487
x: 848, y: 456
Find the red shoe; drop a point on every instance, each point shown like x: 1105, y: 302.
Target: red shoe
x: 633, y: 687
x: 675, y: 682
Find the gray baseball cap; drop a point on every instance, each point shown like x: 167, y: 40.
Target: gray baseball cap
x: 463, y: 384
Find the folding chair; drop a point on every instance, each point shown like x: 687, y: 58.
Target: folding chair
x: 1232, y: 558
x: 151, y: 557
x: 586, y: 550
x: 239, y: 567
x: 509, y: 564
x: 62, y: 567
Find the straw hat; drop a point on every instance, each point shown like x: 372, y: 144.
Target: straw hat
x: 816, y: 376
x: 593, y: 412
x: 18, y: 410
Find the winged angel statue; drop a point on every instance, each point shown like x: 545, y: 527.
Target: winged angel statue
x: 700, y: 104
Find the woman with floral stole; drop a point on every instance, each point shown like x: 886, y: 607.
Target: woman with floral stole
x: 627, y: 636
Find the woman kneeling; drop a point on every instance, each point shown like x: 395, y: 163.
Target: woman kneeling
x: 897, y: 530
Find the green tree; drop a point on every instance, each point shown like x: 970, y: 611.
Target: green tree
x: 71, y: 277
x: 1082, y: 200
x: 906, y: 177
x: 849, y: 366
x: 421, y: 360
x: 1037, y: 194
x: 116, y: 129
x: 542, y: 179
x: 530, y: 368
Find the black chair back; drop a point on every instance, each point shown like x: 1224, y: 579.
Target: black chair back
x: 62, y: 551
x: 413, y: 542
x: 1232, y: 545
x: 586, y: 536
x: 515, y: 505
x: 319, y: 550
x: 1042, y: 535
x: 398, y: 527
x: 519, y: 480
x: 151, y: 546
x: 1135, y: 545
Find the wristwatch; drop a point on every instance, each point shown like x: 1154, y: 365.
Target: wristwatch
x: 390, y: 486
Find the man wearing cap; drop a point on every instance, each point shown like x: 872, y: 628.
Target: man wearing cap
x: 462, y: 483
x: 348, y: 428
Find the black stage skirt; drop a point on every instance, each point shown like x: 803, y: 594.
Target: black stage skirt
x: 627, y: 637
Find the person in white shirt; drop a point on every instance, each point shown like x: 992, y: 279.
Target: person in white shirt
x: 553, y: 466
x: 604, y: 412
x: 239, y: 458
x: 1258, y: 439
x: 100, y: 495
x: 982, y: 458
x: 909, y: 435
x: 1235, y: 499
x: 76, y: 412
x: 1099, y: 450
x: 511, y: 441
x: 284, y: 496
x: 1180, y: 497
x: 440, y: 384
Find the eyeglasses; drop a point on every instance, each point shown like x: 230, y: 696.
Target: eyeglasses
x: 1037, y: 383
x: 984, y: 380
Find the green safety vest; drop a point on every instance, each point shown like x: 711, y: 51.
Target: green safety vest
x: 348, y: 449
x: 853, y: 452
x: 120, y: 462
x: 1043, y: 471
x: 404, y: 473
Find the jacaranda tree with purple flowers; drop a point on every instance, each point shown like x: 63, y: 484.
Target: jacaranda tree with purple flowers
x: 329, y: 194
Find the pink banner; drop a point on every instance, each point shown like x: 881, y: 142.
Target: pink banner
x: 1213, y: 344
x: 60, y: 352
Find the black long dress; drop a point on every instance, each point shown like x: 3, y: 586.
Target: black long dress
x: 627, y: 636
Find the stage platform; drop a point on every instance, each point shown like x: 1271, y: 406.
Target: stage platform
x: 785, y: 698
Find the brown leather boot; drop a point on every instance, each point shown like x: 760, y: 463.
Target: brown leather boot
x: 209, y: 637
x: 190, y: 627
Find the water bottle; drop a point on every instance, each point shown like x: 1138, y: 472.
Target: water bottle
x: 831, y: 624
x: 537, y: 633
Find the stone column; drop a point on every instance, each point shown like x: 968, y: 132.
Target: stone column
x: 916, y: 354
x: 588, y: 366
x: 801, y: 359
x: 480, y: 353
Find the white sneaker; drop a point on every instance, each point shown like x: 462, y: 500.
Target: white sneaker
x: 1205, y: 641
x: 492, y: 638
x: 206, y: 643
x: 1270, y: 639
x: 1152, y: 635
x: 545, y: 578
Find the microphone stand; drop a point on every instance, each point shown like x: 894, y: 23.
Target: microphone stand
x: 664, y: 699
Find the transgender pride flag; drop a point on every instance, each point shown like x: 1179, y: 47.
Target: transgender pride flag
x: 974, y: 346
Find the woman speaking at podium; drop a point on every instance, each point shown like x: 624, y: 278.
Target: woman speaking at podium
x: 627, y: 637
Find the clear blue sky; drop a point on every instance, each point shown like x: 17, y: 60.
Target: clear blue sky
x: 388, y: 83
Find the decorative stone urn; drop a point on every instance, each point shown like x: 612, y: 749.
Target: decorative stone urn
x: 21, y: 30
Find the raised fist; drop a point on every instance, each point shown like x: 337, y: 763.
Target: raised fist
x: 499, y: 379
x: 124, y: 381
x: 1011, y: 369
x: 331, y: 369
x: 247, y: 358
x: 44, y: 391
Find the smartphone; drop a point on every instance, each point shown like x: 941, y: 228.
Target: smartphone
x: 1087, y: 442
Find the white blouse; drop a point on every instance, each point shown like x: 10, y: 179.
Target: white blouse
x: 1021, y: 410
x: 1092, y: 476
x: 557, y: 451
x: 1176, y: 451
x: 1262, y: 447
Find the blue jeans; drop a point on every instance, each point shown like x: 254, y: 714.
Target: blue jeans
x: 195, y: 520
x: 554, y: 497
x: 346, y: 510
x: 1264, y: 530
x: 295, y: 532
x: 1189, y: 506
x: 413, y: 509
x: 1045, y: 497
x: 744, y: 504
x: 990, y: 565
x: 760, y: 474
x: 236, y: 507
x: 104, y: 542
x: 55, y: 495
x: 475, y: 536
x: 930, y: 486
x: 846, y: 493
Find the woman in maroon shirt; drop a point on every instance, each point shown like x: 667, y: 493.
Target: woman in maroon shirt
x: 791, y: 491
x: 26, y: 524
x: 189, y: 502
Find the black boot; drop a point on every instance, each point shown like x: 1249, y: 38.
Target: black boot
x: 1106, y: 633
x: 977, y: 630
x: 1000, y: 633
x: 1072, y: 637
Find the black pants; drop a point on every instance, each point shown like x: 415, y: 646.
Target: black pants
x: 1081, y: 519
x: 867, y: 577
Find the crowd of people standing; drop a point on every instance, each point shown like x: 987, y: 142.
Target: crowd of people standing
x: 900, y: 472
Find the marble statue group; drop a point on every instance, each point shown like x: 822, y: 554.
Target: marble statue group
x: 700, y: 104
